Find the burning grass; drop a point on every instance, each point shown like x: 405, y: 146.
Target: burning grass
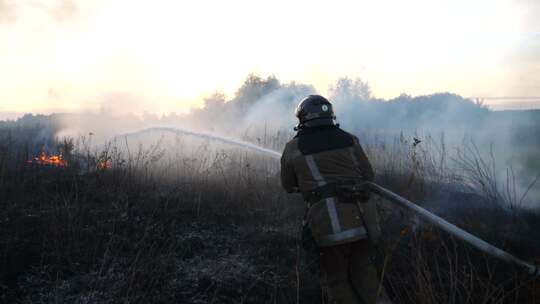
x: 46, y: 160
x: 182, y: 221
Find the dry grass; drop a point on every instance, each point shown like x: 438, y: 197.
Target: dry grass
x: 180, y: 220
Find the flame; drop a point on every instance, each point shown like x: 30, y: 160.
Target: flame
x: 104, y: 164
x: 53, y: 160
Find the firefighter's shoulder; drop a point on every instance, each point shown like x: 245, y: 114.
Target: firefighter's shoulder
x: 291, y: 150
x: 352, y: 136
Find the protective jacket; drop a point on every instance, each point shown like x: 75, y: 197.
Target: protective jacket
x: 321, y: 156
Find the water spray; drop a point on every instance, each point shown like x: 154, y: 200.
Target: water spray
x: 225, y: 140
x: 381, y: 191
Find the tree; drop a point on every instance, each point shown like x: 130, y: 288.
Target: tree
x: 346, y: 90
x: 253, y: 89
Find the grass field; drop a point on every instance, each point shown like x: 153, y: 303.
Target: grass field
x: 185, y: 221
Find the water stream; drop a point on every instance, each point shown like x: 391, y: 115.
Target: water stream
x: 219, y: 138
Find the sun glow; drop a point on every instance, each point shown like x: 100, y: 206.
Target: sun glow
x: 167, y: 55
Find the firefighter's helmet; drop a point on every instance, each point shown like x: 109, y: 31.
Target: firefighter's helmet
x: 314, y: 110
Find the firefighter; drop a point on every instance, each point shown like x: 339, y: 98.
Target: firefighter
x: 327, y: 165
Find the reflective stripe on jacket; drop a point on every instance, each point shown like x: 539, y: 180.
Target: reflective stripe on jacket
x: 316, y: 157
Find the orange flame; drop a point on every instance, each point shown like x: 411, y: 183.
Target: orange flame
x: 53, y: 160
x: 104, y: 164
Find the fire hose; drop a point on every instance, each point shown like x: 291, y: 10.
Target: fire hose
x: 454, y: 230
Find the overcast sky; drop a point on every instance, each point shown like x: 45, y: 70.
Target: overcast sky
x: 164, y: 55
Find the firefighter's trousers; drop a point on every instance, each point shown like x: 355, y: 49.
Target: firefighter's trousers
x: 350, y: 274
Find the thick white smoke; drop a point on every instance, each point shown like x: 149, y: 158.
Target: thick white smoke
x: 262, y: 112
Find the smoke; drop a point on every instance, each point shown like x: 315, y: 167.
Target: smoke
x: 275, y: 111
x: 222, y: 139
x: 66, y: 10
x: 262, y: 112
x: 60, y: 10
x: 530, y: 10
x: 7, y: 12
x: 505, y: 141
x: 120, y: 103
x: 521, y: 65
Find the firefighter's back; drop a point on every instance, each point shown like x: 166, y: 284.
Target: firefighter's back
x: 317, y: 163
x: 324, y: 156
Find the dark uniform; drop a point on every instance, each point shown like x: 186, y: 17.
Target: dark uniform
x: 313, y: 163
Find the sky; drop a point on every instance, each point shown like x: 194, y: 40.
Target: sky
x: 166, y: 56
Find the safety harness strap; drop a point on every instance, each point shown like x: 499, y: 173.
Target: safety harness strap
x: 348, y: 235
x: 348, y: 192
x: 330, y: 201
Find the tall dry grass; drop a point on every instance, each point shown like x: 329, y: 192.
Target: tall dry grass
x: 177, y: 219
